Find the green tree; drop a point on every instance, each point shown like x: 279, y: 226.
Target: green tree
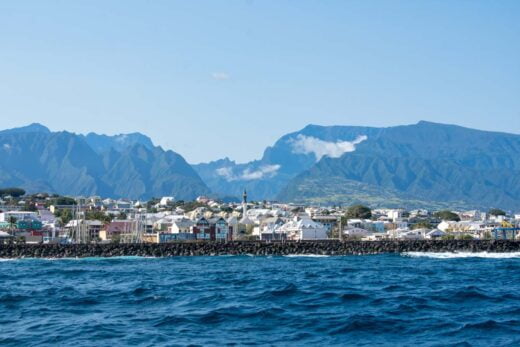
x: 65, y: 215
x: 496, y: 212
x: 447, y: 215
x: 98, y: 215
x: 14, y: 192
x: 358, y: 211
x: 422, y: 225
x: 31, y: 206
x: 226, y: 209
x: 63, y: 201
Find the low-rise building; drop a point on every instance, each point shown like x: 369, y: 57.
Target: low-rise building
x: 304, y: 228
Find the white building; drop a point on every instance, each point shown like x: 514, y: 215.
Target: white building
x: 166, y: 200
x: 19, y: 215
x: 179, y: 226
x: 434, y: 234
x: 304, y: 228
x: 356, y: 233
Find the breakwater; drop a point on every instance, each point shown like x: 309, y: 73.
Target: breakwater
x: 253, y: 248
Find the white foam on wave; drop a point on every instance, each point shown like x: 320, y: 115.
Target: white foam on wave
x: 453, y: 255
x: 307, y: 256
x: 123, y: 257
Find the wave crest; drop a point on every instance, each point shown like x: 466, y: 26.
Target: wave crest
x: 454, y: 255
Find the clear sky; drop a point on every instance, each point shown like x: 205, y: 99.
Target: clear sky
x: 211, y: 79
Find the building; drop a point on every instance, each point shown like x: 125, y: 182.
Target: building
x: 166, y: 201
x: 90, y: 228
x: 116, y: 229
x: 304, y: 228
x: 18, y: 215
x: 328, y: 221
x: 245, y: 219
x: 221, y: 227
x: 179, y: 226
x: 269, y: 229
x: 202, y: 230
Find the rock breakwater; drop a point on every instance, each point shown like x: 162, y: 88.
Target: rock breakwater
x: 253, y: 248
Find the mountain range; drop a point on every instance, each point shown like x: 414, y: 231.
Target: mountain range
x: 421, y: 165
x: 36, y: 159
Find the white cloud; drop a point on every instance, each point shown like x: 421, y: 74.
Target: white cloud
x: 248, y: 174
x: 261, y: 172
x: 220, y: 76
x: 226, y: 172
x: 307, y: 144
x: 7, y: 146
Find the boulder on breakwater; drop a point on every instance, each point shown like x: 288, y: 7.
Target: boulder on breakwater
x: 331, y: 247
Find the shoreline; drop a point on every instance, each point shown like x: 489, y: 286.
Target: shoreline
x: 10, y: 251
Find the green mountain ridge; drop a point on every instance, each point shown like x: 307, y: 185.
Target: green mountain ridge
x: 427, y: 163
x: 65, y: 163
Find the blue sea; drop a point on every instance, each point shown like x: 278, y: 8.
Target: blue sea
x: 409, y: 299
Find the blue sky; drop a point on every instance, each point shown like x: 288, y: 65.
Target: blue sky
x: 227, y: 78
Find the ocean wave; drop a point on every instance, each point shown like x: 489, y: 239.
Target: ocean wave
x: 288, y: 301
x: 453, y: 255
x: 306, y: 256
x: 122, y: 257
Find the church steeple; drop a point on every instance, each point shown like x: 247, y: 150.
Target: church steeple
x: 244, y: 219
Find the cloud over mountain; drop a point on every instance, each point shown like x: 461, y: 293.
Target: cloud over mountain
x: 248, y: 174
x: 307, y: 144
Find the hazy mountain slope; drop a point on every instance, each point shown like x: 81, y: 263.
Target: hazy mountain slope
x: 428, y: 162
x: 65, y: 163
x: 103, y: 143
x: 264, y: 178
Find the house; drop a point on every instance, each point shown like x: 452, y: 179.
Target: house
x: 395, y: 215
x: 233, y: 227
x: 434, y: 234
x: 202, y: 229
x: 92, y: 228
x: 417, y: 234
x: 304, y: 228
x: 181, y: 225
x: 328, y: 221
x: 203, y: 199
x: 220, y: 229
x: 116, y: 229
x: 269, y: 229
x: 166, y: 201
x: 356, y: 233
x: 18, y: 215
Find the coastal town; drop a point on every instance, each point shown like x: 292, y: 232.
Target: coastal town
x: 52, y: 219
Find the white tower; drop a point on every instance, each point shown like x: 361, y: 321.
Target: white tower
x: 244, y: 204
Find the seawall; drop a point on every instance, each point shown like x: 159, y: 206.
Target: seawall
x: 253, y: 248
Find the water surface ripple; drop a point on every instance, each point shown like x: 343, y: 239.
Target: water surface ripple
x: 241, y: 300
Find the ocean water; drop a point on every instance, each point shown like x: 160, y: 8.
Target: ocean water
x: 415, y: 299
